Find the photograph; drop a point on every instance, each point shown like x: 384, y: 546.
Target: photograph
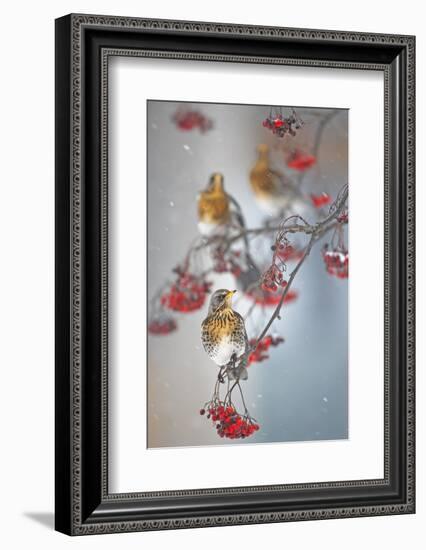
x: 248, y: 271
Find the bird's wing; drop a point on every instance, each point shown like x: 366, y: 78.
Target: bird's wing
x: 276, y: 182
x: 236, y: 211
x: 201, y: 204
x: 204, y: 323
x: 243, y: 328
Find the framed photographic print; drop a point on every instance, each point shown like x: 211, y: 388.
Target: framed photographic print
x: 217, y: 362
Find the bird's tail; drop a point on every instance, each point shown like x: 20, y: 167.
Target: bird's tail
x: 238, y: 373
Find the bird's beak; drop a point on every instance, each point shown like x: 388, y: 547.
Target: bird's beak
x: 230, y: 294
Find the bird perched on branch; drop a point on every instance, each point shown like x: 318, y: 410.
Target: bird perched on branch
x: 224, y: 334
x: 274, y: 191
x: 214, y: 210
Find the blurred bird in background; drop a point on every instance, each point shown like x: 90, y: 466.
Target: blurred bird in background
x: 223, y: 333
x: 214, y: 211
x: 274, y: 192
x: 219, y: 212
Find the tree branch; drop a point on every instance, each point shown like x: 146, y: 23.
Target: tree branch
x: 316, y: 231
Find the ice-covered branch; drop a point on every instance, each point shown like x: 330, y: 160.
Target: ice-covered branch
x: 316, y: 231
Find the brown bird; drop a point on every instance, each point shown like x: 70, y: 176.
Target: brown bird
x: 223, y: 332
x: 214, y: 211
x: 273, y: 190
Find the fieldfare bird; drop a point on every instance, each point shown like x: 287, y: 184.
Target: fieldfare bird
x: 224, y: 334
x: 214, y: 211
x: 274, y: 191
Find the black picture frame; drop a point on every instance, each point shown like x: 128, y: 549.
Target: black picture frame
x: 83, y: 44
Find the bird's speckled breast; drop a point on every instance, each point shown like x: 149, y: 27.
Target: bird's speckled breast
x: 223, y: 334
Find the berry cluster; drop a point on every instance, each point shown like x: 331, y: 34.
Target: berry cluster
x: 273, y: 278
x: 288, y: 253
x: 162, y: 326
x: 229, y: 423
x: 187, y: 294
x: 222, y: 264
x: 320, y: 200
x: 344, y: 217
x: 187, y: 120
x: 267, y: 298
x: 300, y: 161
x: 336, y: 261
x: 260, y: 353
x: 281, y: 126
